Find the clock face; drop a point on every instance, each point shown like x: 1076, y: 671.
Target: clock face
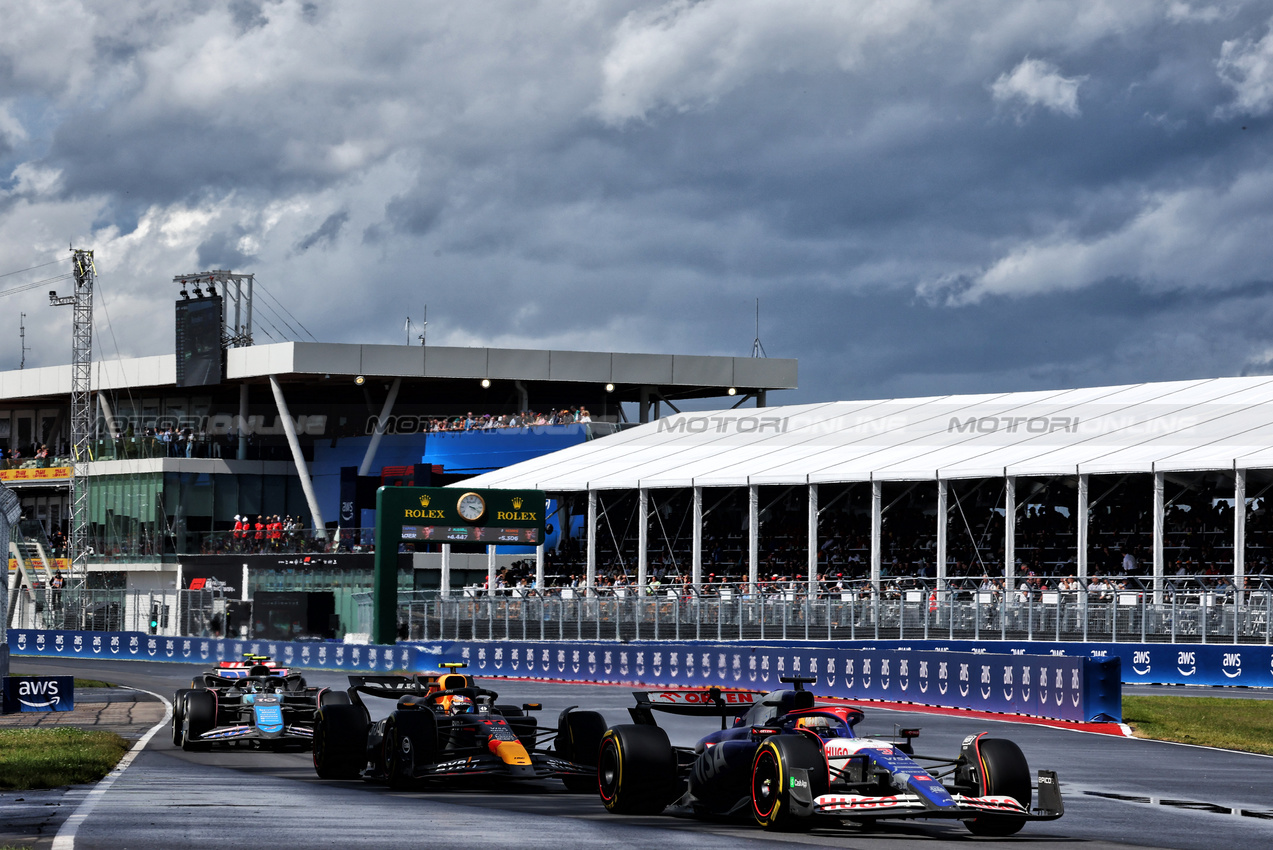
x: 471, y: 506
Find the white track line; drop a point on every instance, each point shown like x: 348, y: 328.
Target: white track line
x: 65, y: 838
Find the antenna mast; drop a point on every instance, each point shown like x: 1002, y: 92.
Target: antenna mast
x: 757, y: 349
x: 22, y: 336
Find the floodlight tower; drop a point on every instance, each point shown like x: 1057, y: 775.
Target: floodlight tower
x: 81, y: 412
x: 236, y: 330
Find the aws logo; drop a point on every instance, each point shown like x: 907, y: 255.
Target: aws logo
x: 38, y: 694
x: 1141, y: 663
x: 1187, y: 663
x: 1231, y: 664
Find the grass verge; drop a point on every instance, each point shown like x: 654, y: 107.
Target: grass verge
x: 51, y: 757
x: 1232, y: 724
x: 88, y: 683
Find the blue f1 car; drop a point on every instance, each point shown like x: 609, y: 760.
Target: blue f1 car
x: 788, y: 763
x: 252, y: 703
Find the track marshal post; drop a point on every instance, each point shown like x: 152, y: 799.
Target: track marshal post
x: 445, y: 515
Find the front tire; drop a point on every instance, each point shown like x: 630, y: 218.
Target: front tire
x: 411, y: 738
x: 1004, y: 772
x: 178, y: 715
x: 200, y: 716
x: 340, y: 741
x: 636, y: 770
x: 772, y: 780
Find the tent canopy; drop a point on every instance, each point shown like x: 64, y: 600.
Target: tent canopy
x: 1213, y: 424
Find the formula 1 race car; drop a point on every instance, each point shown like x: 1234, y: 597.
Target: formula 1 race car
x: 252, y: 702
x: 788, y: 763
x: 448, y: 728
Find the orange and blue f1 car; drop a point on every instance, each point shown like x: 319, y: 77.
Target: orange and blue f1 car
x: 789, y: 763
x: 447, y: 728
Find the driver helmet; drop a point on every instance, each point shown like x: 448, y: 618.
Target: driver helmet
x: 461, y: 704
x: 820, y: 725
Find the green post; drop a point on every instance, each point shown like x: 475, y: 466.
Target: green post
x: 444, y: 515
x: 384, y: 587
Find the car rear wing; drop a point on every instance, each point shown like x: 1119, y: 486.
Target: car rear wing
x: 713, y: 702
x: 392, y: 687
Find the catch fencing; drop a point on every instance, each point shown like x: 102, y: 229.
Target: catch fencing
x: 1114, y: 611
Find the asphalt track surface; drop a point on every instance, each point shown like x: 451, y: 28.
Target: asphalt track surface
x: 1118, y: 792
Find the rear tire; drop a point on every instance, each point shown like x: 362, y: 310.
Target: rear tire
x: 178, y: 715
x: 200, y: 716
x: 579, y: 741
x: 1004, y: 772
x: 340, y: 741
x: 333, y: 698
x: 636, y: 770
x: 771, y: 780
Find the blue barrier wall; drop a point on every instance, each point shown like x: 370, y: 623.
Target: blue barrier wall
x: 135, y: 646
x: 1211, y: 664
x: 1062, y: 687
x: 1149, y: 663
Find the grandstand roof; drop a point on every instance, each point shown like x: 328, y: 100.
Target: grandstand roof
x: 675, y: 375
x: 1214, y: 424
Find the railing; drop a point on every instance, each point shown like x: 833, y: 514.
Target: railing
x: 184, y: 613
x: 1189, y: 611
x: 172, y: 546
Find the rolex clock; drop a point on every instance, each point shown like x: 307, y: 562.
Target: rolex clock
x: 471, y: 506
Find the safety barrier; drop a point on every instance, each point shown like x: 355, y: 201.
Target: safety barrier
x: 1064, y: 687
x: 1061, y: 687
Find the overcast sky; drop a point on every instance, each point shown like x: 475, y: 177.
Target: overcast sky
x: 926, y: 197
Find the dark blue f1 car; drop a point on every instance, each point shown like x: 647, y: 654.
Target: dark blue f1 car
x: 789, y: 763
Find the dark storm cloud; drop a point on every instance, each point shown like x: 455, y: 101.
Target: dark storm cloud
x: 925, y: 197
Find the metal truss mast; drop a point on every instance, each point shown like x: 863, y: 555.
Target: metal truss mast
x: 81, y: 408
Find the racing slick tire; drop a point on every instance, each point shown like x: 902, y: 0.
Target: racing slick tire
x: 330, y: 697
x: 178, y: 715
x: 199, y: 716
x: 579, y: 741
x: 1004, y: 773
x: 411, y: 739
x: 340, y: 741
x: 772, y: 780
x: 636, y: 770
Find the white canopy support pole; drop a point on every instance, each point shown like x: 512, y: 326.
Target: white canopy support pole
x: 446, y: 570
x: 241, y: 451
x: 877, y: 527
x: 696, y: 557
x: 753, y: 537
x: 1080, y: 530
x: 289, y: 428
x: 1239, y: 535
x: 108, y: 415
x: 539, y: 568
x: 1009, y: 533
x: 643, y: 539
x: 943, y: 520
x: 490, y: 570
x: 590, y: 581
x: 369, y: 456
x: 1158, y: 537
x: 813, y: 540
